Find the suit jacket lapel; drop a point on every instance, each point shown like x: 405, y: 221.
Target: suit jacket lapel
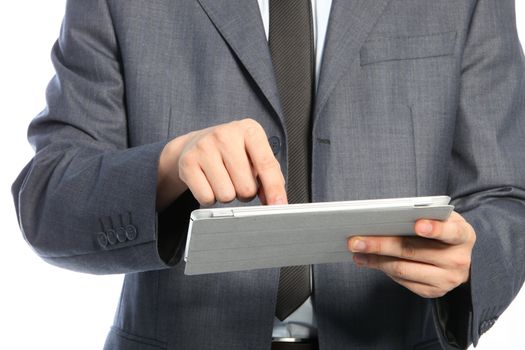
x: 240, y: 24
x: 349, y: 24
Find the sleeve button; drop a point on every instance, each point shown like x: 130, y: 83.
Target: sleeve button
x: 121, y: 234
x: 131, y: 232
x: 102, y: 239
x: 112, y: 236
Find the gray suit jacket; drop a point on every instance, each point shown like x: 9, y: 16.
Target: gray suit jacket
x: 415, y: 97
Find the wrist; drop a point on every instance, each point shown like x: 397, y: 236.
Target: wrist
x: 169, y: 185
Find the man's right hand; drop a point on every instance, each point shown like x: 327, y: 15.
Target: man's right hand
x: 220, y: 164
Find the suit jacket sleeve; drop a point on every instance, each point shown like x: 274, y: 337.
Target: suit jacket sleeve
x: 488, y: 173
x: 86, y: 201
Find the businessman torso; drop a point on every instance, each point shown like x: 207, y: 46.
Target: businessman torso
x: 398, y: 108
x: 383, y: 127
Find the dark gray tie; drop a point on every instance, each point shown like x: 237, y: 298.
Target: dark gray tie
x: 291, y: 46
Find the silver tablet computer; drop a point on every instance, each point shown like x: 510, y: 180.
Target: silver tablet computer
x: 245, y: 238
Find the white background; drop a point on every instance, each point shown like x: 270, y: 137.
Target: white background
x: 48, y: 308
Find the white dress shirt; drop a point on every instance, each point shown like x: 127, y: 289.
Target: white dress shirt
x: 301, y: 323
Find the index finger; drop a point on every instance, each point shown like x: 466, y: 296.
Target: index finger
x: 455, y: 230
x: 266, y: 165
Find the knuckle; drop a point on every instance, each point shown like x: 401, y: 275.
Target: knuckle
x: 246, y: 191
x: 408, y: 251
x: 251, y: 131
x: 250, y: 123
x: 226, y: 196
x: 204, y: 144
x: 186, y: 161
x: 399, y: 270
x: 462, y: 263
x: 221, y: 135
x: 455, y: 281
x: 206, y: 200
x: 252, y: 127
x: 267, y: 163
x: 376, y: 246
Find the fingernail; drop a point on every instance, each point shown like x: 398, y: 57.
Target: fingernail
x: 360, y: 260
x: 425, y: 228
x: 358, y: 246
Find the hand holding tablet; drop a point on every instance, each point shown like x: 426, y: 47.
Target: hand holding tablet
x: 430, y: 264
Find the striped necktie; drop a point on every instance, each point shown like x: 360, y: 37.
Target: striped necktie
x: 291, y: 46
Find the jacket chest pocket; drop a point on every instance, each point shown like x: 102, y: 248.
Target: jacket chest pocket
x: 384, y: 49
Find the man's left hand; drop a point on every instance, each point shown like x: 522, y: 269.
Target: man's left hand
x: 431, y: 264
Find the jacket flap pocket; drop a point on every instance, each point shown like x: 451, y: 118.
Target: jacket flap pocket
x: 383, y: 49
